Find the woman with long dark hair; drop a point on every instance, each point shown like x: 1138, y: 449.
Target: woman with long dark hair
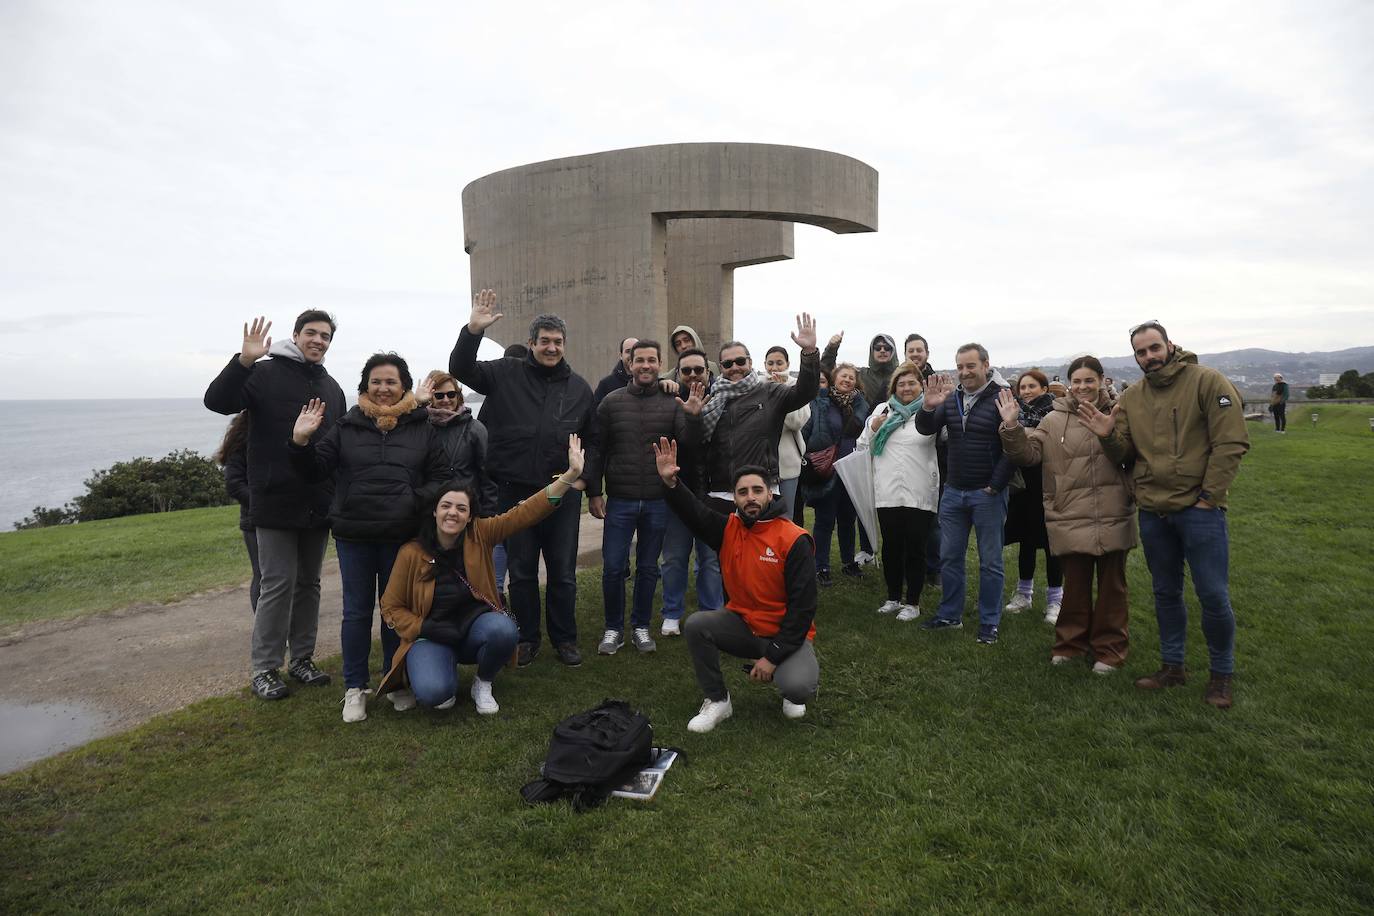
x: 1090, y: 514
x: 1026, y: 509
x: 232, y: 456
x: 837, y: 417
x: 441, y: 597
x: 387, y: 463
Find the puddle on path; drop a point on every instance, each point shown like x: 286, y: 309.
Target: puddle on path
x: 32, y: 731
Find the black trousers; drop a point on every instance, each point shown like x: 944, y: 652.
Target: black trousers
x: 904, y: 532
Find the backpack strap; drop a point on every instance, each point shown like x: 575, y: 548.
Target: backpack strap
x: 542, y: 792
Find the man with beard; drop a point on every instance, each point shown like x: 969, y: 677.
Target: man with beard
x: 768, y: 564
x: 975, y: 494
x: 1184, y: 427
x: 630, y: 421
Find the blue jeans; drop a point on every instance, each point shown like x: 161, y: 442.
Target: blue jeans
x: 556, y: 538
x: 1198, y: 537
x: 787, y: 489
x: 626, y: 518
x: 985, y: 513
x: 677, y: 554
x: 834, y: 508
x: 364, y: 568
x: 433, y: 666
x: 498, y: 563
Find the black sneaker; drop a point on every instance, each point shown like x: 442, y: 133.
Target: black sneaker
x: 940, y: 623
x: 268, y: 685
x: 525, y: 653
x: 852, y: 570
x: 568, y: 654
x: 823, y: 578
x: 987, y: 635
x: 305, y: 671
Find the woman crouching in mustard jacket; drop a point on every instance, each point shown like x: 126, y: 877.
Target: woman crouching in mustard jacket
x: 441, y: 595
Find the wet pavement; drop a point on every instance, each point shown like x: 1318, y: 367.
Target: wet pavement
x: 33, y: 731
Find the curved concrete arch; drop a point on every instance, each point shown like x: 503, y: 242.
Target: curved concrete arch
x: 635, y: 241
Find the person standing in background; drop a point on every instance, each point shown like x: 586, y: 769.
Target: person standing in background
x: 790, y: 446
x: 233, y: 459
x: 1278, y: 403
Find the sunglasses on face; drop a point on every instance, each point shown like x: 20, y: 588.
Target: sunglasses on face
x: 737, y: 361
x: 882, y: 348
x: 445, y: 395
x: 693, y: 370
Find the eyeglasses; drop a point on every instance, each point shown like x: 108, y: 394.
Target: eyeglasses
x: 737, y: 361
x: 445, y: 395
x: 692, y: 370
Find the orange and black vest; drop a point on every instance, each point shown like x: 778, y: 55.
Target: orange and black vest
x: 752, y: 559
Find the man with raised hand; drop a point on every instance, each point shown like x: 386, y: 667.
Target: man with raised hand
x: 532, y: 404
x: 768, y: 564
x: 1184, y: 427
x: 630, y: 420
x: 291, y: 515
x: 975, y: 494
x: 744, y: 416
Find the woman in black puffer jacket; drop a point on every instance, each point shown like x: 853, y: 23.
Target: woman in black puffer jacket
x: 386, y: 462
x: 1025, y: 523
x: 837, y: 418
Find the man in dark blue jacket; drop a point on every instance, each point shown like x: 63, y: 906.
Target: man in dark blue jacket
x: 532, y: 404
x: 975, y: 494
x: 291, y: 515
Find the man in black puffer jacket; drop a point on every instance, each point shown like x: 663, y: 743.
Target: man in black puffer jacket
x: 629, y: 422
x: 743, y: 418
x: 291, y: 516
x: 532, y: 406
x: 975, y: 494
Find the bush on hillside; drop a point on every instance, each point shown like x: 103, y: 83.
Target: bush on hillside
x: 1350, y: 385
x: 182, y: 480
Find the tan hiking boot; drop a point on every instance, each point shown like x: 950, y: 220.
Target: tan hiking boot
x: 1166, y: 676
x: 1219, y: 691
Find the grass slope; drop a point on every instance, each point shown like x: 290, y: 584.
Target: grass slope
x: 931, y: 773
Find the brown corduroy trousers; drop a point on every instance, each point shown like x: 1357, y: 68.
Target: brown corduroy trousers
x: 1097, y: 627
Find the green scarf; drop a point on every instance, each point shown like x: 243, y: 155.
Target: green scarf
x: 897, y: 414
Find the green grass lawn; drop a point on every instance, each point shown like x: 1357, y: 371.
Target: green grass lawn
x: 931, y: 773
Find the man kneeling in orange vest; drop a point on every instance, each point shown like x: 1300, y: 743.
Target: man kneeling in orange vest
x: 769, y: 569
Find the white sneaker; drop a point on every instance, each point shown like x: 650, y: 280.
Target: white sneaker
x: 671, y: 627
x: 863, y: 558
x: 713, y: 712
x: 890, y: 607
x: 793, y: 710
x: 1103, y: 668
x: 1060, y: 659
x: 1018, y: 603
x: 355, y: 704
x: 908, y: 612
x: 401, y: 700
x: 1052, y: 613
x: 481, y: 697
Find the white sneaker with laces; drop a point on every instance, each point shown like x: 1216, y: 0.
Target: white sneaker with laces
x: 401, y: 700
x: 908, y: 612
x: 671, y: 627
x: 1103, y: 668
x: 713, y: 712
x: 1052, y: 613
x: 863, y: 558
x: 355, y: 704
x: 1018, y: 603
x: 890, y: 607
x: 481, y: 697
x: 793, y: 710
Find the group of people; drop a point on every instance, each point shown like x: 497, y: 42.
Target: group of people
x: 687, y: 456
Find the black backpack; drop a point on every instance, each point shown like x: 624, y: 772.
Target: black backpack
x: 591, y: 754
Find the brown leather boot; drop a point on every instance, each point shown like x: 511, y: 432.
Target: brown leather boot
x: 1166, y: 676
x: 1219, y: 691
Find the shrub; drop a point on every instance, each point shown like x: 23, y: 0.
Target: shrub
x: 182, y: 480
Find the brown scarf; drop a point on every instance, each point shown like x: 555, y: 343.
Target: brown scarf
x: 386, y: 417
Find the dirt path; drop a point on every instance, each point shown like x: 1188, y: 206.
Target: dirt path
x: 67, y: 682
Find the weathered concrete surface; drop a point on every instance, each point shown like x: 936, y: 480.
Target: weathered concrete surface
x: 615, y: 242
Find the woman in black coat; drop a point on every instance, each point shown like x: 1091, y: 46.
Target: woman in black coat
x: 837, y: 418
x: 1026, y: 508
x: 387, y: 463
x: 462, y: 435
x: 233, y: 458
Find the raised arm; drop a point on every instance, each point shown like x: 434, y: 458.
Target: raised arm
x: 228, y: 393
x: 703, y: 522
x: 462, y: 362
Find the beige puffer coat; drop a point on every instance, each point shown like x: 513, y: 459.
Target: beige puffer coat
x: 1088, y: 504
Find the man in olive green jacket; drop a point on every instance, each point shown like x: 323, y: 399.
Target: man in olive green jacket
x: 1184, y: 428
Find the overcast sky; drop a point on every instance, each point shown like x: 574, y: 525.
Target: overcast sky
x: 1050, y: 172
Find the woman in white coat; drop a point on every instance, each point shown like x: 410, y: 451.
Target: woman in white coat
x: 906, y: 489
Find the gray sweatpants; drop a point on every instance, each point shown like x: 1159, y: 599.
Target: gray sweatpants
x: 709, y: 633
x: 289, y: 602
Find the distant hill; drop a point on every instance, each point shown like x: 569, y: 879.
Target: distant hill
x: 1252, y: 369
